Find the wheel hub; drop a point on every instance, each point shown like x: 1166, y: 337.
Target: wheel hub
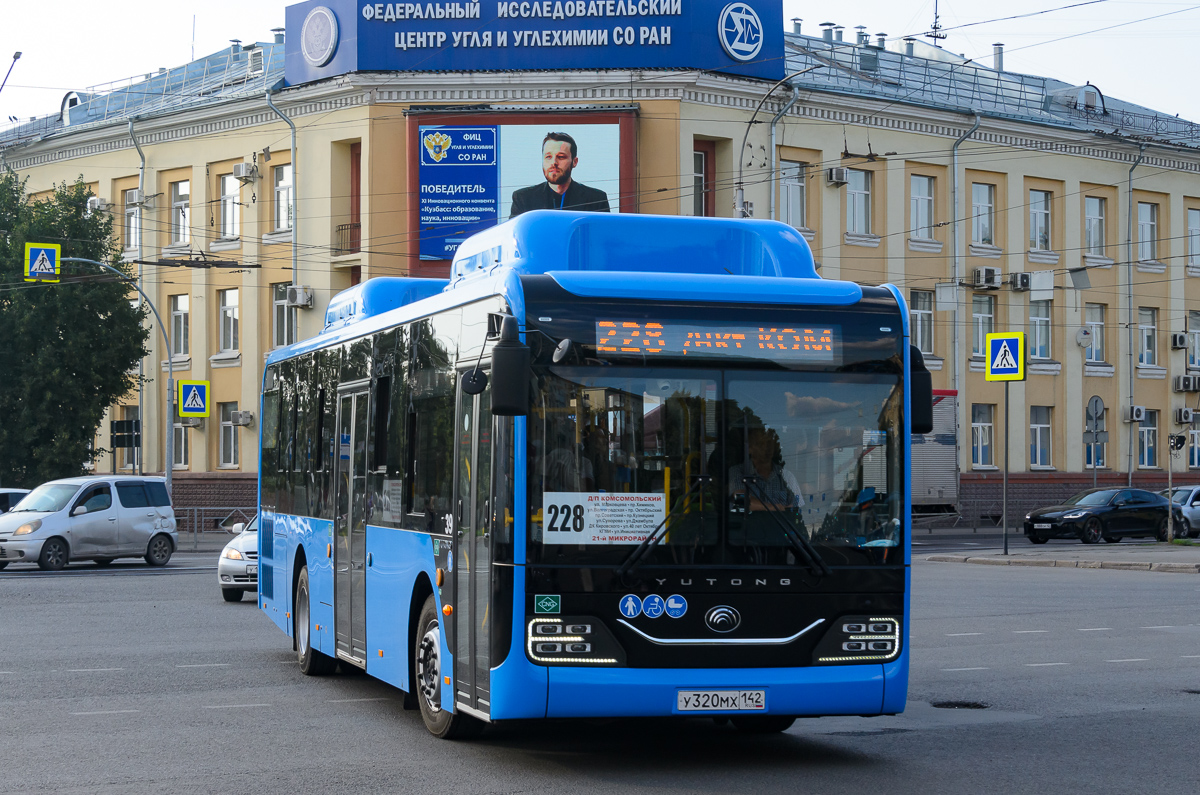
x: 302, y: 622
x: 429, y: 668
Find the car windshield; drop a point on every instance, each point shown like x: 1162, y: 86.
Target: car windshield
x: 733, y: 465
x: 1178, y: 496
x: 1091, y: 498
x: 48, y: 497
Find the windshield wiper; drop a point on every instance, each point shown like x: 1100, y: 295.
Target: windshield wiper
x: 656, y: 535
x: 799, y: 543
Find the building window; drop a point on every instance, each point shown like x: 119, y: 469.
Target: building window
x: 1039, y: 436
x: 1193, y: 325
x: 1194, y: 449
x: 793, y: 206
x: 699, y: 162
x: 704, y: 200
x: 858, y: 202
x: 1193, y: 235
x: 284, y: 317
x: 179, y: 453
x: 1147, y: 214
x: 179, y: 325
x: 180, y: 226
x: 1039, y: 329
x: 231, y: 192
x: 128, y: 456
x: 1093, y: 318
x: 1093, y: 225
x: 921, y: 204
x: 1101, y: 448
x: 227, y: 303
x: 1039, y: 220
x: 983, y: 213
x: 1147, y: 336
x: 922, y: 320
x: 131, y: 229
x: 983, y: 315
x: 283, y: 197
x: 228, y: 453
x: 1148, y: 440
x: 981, y: 434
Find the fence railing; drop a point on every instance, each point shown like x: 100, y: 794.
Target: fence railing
x: 193, y: 523
x: 348, y: 239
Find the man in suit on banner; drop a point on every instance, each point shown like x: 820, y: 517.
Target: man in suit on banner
x: 560, y: 155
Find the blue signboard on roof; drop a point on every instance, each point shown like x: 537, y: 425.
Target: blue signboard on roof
x: 326, y: 38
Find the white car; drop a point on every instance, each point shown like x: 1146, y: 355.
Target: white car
x: 237, y: 568
x: 10, y: 497
x: 90, y: 518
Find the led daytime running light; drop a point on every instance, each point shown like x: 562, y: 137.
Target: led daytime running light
x: 894, y: 636
x: 531, y: 638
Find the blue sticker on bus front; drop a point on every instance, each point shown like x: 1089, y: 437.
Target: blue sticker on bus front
x: 449, y: 560
x: 631, y: 606
x: 653, y: 606
x: 676, y: 606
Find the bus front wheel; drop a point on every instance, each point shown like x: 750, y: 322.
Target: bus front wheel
x: 312, y: 662
x: 428, y: 678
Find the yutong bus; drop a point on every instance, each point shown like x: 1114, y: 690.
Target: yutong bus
x: 618, y: 465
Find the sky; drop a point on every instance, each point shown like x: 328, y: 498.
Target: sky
x: 70, y: 45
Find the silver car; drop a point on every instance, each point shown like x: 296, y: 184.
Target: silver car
x: 90, y: 518
x: 1188, y: 499
x: 237, y: 568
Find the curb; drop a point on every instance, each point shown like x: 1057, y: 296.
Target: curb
x: 1119, y: 565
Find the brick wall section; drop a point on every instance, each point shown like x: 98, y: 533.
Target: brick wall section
x: 981, y: 493
x: 214, y: 490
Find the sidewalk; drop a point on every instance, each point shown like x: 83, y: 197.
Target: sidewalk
x: 1172, y: 558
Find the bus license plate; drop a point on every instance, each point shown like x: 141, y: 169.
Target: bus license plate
x: 721, y: 700
x: 1042, y: 526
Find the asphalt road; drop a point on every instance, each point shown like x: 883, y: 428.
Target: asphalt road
x: 130, y: 681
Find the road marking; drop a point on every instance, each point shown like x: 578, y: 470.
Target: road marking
x: 1132, y: 659
x: 1043, y: 665
x: 965, y: 669
x: 1096, y: 629
x: 107, y: 712
x: 353, y: 700
x: 961, y: 634
x: 1163, y: 627
x: 1028, y: 631
x: 205, y: 665
x: 91, y: 670
x: 1182, y: 657
x: 289, y: 662
x: 234, y: 706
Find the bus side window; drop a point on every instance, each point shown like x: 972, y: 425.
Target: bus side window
x: 381, y: 405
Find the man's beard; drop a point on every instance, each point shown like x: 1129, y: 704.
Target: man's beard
x: 563, y: 177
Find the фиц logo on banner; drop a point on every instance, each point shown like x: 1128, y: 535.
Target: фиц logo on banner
x: 740, y: 31
x: 438, y: 146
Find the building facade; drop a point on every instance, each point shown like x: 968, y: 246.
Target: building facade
x: 997, y: 202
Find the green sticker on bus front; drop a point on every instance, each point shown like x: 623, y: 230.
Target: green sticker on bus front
x: 547, y: 603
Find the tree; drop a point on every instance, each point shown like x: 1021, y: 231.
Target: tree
x: 68, y: 351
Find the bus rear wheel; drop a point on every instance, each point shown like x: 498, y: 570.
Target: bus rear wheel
x: 762, y: 724
x: 427, y: 680
x: 312, y: 662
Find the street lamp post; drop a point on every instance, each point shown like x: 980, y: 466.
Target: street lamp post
x: 169, y: 464
x: 739, y: 196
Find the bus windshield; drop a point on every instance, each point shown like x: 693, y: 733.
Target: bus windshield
x: 725, y: 464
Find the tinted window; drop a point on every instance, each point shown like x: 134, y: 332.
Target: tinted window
x: 132, y: 494
x: 1090, y: 498
x: 158, y: 494
x: 3, y: 503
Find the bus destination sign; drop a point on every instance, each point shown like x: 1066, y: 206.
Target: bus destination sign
x: 797, y: 344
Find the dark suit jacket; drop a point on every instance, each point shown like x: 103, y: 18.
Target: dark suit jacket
x: 543, y: 197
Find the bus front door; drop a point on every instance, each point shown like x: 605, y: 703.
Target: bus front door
x: 350, y: 528
x: 472, y: 551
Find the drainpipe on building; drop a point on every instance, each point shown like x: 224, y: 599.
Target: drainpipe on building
x: 1129, y: 304
x: 774, y: 153
x: 295, y: 186
x: 956, y: 217
x: 142, y: 362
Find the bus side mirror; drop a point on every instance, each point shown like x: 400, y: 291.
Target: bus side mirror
x: 510, y: 372
x: 920, y: 392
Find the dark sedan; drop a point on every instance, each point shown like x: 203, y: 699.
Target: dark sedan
x: 1102, y: 514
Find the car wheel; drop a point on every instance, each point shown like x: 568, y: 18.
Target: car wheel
x: 427, y: 679
x: 1037, y: 540
x: 1112, y: 539
x: 312, y: 662
x: 158, y: 551
x: 1093, y: 531
x: 54, y: 555
x: 1161, y: 533
x: 1193, y: 532
x: 762, y: 724
x: 103, y: 561
x: 232, y: 594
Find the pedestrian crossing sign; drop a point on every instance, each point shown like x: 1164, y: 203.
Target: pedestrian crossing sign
x: 42, y: 262
x: 192, y: 399
x: 1005, y: 357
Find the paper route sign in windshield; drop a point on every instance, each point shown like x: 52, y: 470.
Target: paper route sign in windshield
x: 580, y: 517
x: 460, y: 186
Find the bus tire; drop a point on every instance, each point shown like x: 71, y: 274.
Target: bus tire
x: 762, y: 724
x: 427, y: 680
x: 312, y: 662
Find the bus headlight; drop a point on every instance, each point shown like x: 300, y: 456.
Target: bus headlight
x: 858, y: 640
x: 571, y: 641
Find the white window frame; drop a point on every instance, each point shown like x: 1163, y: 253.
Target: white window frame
x: 1040, y: 438
x: 1148, y: 336
x: 228, y: 443
x: 181, y: 214
x: 1193, y: 233
x: 921, y: 309
x: 983, y: 436
x: 180, y: 324
x: 284, y: 209
x: 1101, y: 447
x: 1040, y: 340
x: 982, y: 323
x: 793, y: 194
x: 231, y: 195
x: 699, y: 166
x: 283, y: 317
x: 1095, y: 209
x: 983, y: 213
x: 132, y: 222
x: 1194, y: 448
x: 1040, y: 230
x: 1148, y: 441
x: 858, y: 201
x: 1147, y: 221
x: 179, y: 450
x: 1193, y: 332
x: 228, y: 320
x: 1095, y: 351
x: 921, y: 206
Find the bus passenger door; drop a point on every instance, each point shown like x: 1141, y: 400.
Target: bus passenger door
x: 472, y: 551
x: 350, y: 528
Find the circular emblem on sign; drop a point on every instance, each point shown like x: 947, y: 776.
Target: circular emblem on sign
x: 319, y: 36
x: 722, y: 618
x: 740, y: 31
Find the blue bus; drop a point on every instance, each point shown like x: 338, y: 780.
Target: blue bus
x: 615, y: 465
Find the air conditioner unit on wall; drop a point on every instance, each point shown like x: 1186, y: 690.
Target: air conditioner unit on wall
x: 1187, y: 383
x: 300, y: 296
x: 96, y: 204
x: 245, y: 171
x: 1135, y: 414
x: 1020, y: 282
x: 986, y: 278
x: 241, y: 417
x: 838, y: 176
x: 1179, y: 340
x: 1185, y: 416
x: 191, y: 422
x: 135, y: 198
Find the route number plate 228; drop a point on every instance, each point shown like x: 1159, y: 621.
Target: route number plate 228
x: 721, y: 700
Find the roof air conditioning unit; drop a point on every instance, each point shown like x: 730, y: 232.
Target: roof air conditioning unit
x: 1187, y: 383
x: 241, y: 417
x: 1020, y: 282
x: 245, y: 171
x: 300, y: 296
x: 1135, y: 414
x: 191, y: 422
x: 1179, y: 340
x: 986, y: 278
x: 838, y: 176
x: 96, y: 205
x: 135, y: 197
x: 1185, y: 416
